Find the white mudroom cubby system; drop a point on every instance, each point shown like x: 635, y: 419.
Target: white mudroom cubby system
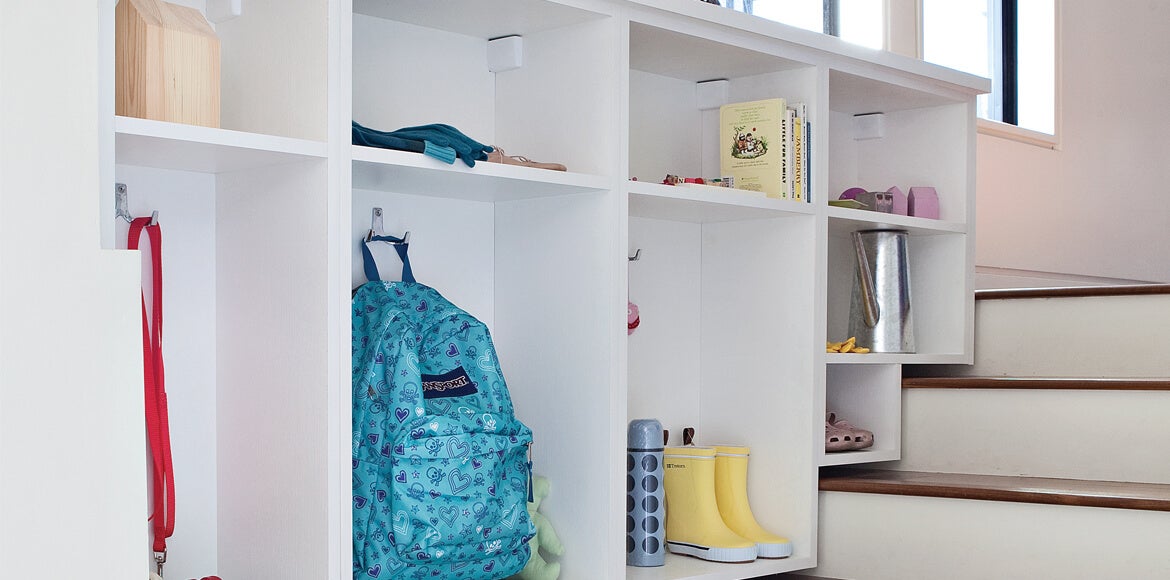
x: 738, y: 293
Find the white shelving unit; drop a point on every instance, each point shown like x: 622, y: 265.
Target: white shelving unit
x: 737, y: 292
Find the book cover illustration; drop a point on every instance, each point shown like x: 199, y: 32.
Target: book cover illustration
x: 752, y: 148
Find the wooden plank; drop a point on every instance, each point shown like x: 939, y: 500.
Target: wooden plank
x: 1094, y: 384
x: 1073, y: 292
x: 1042, y: 490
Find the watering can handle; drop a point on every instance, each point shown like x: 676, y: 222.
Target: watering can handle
x: 869, y: 304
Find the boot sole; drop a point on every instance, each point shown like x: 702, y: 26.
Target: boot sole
x: 774, y: 550
x: 729, y: 555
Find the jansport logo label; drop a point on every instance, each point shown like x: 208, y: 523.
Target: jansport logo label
x: 453, y: 383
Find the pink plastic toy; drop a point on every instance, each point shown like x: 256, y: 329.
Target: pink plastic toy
x: 923, y: 202
x: 900, y: 202
x: 632, y: 318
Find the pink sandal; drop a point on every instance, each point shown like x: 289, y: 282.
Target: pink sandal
x: 850, y: 438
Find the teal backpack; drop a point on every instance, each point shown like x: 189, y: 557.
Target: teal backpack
x: 441, y: 469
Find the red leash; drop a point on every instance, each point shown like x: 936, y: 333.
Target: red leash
x: 157, y: 425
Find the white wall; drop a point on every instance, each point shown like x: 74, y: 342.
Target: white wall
x: 1097, y: 205
x: 72, y: 474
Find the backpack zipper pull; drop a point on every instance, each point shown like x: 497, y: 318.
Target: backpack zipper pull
x: 530, y: 497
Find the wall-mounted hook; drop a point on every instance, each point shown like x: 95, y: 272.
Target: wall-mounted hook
x: 637, y: 255
x: 376, y: 222
x: 376, y: 228
x: 120, y: 203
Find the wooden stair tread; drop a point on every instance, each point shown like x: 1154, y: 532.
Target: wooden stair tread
x: 1073, y: 383
x: 1044, y: 490
x: 1072, y: 292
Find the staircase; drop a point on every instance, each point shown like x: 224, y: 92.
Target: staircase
x: 1047, y: 458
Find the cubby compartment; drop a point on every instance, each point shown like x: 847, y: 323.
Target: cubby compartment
x: 528, y: 268
x: 941, y: 301
x: 274, y: 61
x: 868, y: 396
x: 421, y: 63
x: 726, y: 304
x: 246, y: 381
x: 927, y: 141
x: 668, y: 132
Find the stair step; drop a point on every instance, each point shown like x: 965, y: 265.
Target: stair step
x: 1072, y: 292
x: 1042, y: 490
x: 1067, y: 332
x: 1067, y: 383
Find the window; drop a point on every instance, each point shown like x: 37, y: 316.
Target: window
x: 1013, y: 42
x: 857, y: 21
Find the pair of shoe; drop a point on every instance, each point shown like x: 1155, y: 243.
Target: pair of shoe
x: 841, y: 436
x: 707, y: 511
x: 497, y: 155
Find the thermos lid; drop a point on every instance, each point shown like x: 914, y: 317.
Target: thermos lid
x: 644, y: 434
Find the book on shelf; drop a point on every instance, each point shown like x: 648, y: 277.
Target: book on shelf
x: 753, y: 146
x: 801, y: 131
x: 797, y: 133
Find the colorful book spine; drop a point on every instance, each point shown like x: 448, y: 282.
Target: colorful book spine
x: 798, y: 155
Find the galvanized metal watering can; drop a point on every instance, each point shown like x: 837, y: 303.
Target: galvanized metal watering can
x: 879, y: 311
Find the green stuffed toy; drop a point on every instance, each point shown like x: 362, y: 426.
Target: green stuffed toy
x: 546, y: 538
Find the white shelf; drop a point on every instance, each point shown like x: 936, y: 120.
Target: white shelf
x: 415, y: 173
x: 856, y: 457
x: 891, y: 358
x: 688, y: 568
x: 844, y: 220
x: 707, y: 204
x: 477, y: 18
x: 673, y: 54
x: 182, y: 147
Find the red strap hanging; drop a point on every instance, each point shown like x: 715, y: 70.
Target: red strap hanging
x: 157, y: 426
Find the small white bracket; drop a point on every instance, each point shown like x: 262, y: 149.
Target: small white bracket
x: 505, y: 53
x: 222, y: 10
x: 869, y: 126
x: 711, y: 94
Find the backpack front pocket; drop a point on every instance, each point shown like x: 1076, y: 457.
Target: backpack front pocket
x: 461, y: 498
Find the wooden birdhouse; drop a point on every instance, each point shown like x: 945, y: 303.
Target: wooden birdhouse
x: 167, y: 63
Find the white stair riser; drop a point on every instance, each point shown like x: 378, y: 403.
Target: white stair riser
x: 1109, y: 336
x: 1103, y: 435
x: 887, y: 537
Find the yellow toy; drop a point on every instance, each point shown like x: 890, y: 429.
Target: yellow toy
x: 546, y: 538
x: 846, y: 346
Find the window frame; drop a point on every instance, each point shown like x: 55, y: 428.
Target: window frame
x: 1000, y: 129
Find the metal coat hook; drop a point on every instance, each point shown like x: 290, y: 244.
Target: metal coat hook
x: 120, y: 210
x: 120, y: 206
x: 637, y: 255
x: 376, y: 228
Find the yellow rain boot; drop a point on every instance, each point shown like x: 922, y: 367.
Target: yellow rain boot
x: 731, y: 494
x: 693, y: 524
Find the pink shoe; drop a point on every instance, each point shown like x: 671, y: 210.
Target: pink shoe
x: 837, y: 439
x: 858, y: 438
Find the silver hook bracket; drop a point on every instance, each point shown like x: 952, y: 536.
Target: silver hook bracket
x: 377, y: 229
x: 637, y: 255
x: 120, y: 203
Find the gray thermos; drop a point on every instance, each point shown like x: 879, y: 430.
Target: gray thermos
x: 644, y: 506
x: 879, y: 312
